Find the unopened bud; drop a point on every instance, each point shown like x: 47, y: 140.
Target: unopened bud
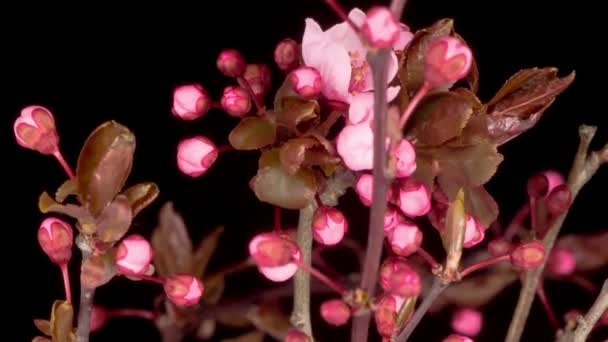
x: 457, y: 338
x: 405, y: 238
x: 386, y: 310
x: 287, y: 54
x: 355, y: 144
x: 474, y: 232
x: 275, y: 256
x: 306, y: 81
x: 134, y: 255
x: 541, y: 184
x: 528, y: 255
x: 99, y: 317
x: 190, y: 102
x: 561, y: 262
x: 196, y: 155
x: 365, y: 188
x: 467, y: 321
x: 499, y: 246
x: 559, y: 200
x: 183, y: 289
x: 35, y: 129
x: 329, y: 225
x: 398, y: 277
x: 236, y: 101
x: 231, y: 63
x: 405, y: 157
x: 56, y: 239
x: 335, y: 312
x: 414, y: 199
x: 258, y: 77
x: 297, y: 336
x: 391, y: 219
x: 381, y: 28
x: 447, y: 60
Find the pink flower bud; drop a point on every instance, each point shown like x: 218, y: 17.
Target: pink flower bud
x: 190, y: 102
x: 196, y: 155
x: 329, y: 226
x: 183, y: 289
x: 35, y: 129
x: 457, y: 338
x: 405, y: 238
x: 398, y: 277
x: 276, y: 256
x: 414, y: 199
x: 258, y: 77
x: 355, y: 144
x: 386, y: 309
x: 381, y: 28
x: 297, y: 336
x: 56, y: 238
x: 134, y: 255
x: 335, y: 312
x: 499, y: 246
x: 467, y: 322
x: 405, y: 36
x: 236, y: 101
x: 559, y: 200
x: 306, y: 81
x: 405, y: 156
x: 99, y: 317
x: 287, y: 54
x: 474, y: 232
x: 561, y: 262
x: 528, y: 255
x: 447, y: 60
x: 391, y: 219
x: 365, y: 188
x: 541, y: 184
x: 231, y: 63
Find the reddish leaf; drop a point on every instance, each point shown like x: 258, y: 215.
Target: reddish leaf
x: 469, y: 166
x: 68, y: 188
x: 46, y: 205
x: 115, y: 220
x: 253, y: 336
x: 141, y: 195
x: 293, y: 153
x: 104, y: 164
x: 480, y: 204
x: 252, y: 133
x: 171, y: 243
x: 272, y: 184
x: 269, y: 318
x: 44, y: 326
x: 98, y: 270
x: 205, y: 250
x: 296, y: 112
x: 521, y: 101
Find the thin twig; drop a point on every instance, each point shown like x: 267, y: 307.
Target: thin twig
x: 586, y: 324
x: 436, y: 289
x: 300, y: 316
x: 584, y: 167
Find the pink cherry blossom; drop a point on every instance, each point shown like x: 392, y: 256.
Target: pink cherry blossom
x: 364, y: 186
x: 335, y: 312
x: 231, y: 63
x: 405, y: 238
x: 467, y: 321
x: 391, y: 219
x: 405, y: 157
x: 413, y: 199
x: 306, y: 81
x: 190, y: 102
x: 35, y: 129
x: 447, y: 60
x: 341, y: 58
x: 133, y: 255
x: 361, y: 108
x: 355, y: 144
x: 474, y: 232
x: 561, y: 262
x: 398, y: 277
x: 184, y: 289
x: 381, y: 28
x: 287, y: 54
x: 528, y: 255
x: 405, y: 36
x: 329, y: 226
x: 56, y: 239
x: 236, y: 101
x: 196, y: 155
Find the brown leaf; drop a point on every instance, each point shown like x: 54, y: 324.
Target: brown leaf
x: 46, y: 204
x: 171, y: 243
x: 293, y: 153
x: 589, y: 250
x: 475, y: 132
x: 104, y: 164
x: 269, y: 318
x: 411, y: 71
x: 141, y: 195
x: 234, y: 319
x: 252, y: 336
x: 114, y: 220
x: 284, y: 93
x: 272, y: 184
x: 296, y: 112
x: 252, y: 133
x: 44, y: 326
x: 480, y: 204
x: 518, y: 105
x: 68, y: 188
x: 41, y: 339
x: 205, y: 250
x: 439, y: 118
x: 98, y: 270
x: 214, y: 288
x: 61, y: 323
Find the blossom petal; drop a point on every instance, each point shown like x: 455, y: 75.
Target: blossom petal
x: 362, y: 105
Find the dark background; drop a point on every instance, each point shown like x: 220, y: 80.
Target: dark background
x: 89, y: 65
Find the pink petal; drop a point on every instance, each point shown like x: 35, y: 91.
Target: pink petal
x: 362, y: 105
x: 405, y: 36
x: 474, y: 232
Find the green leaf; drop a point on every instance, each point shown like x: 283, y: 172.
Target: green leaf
x: 469, y: 166
x: 61, y: 323
x: 44, y: 326
x: 252, y: 133
x: 274, y: 185
x: 115, y: 220
x: 411, y: 71
x: 522, y: 100
x: 141, y: 195
x: 171, y: 243
x: 68, y: 188
x: 205, y: 251
x: 104, y: 164
x: 439, y: 118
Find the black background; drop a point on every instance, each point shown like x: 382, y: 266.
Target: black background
x: 96, y: 63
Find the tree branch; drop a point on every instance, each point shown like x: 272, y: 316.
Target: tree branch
x: 586, y: 324
x: 584, y: 167
x: 84, y: 312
